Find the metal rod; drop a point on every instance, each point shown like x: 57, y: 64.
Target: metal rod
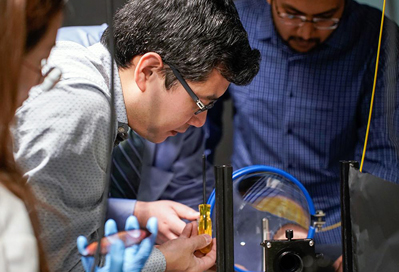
x: 265, y: 236
x: 220, y: 223
x: 205, y: 214
x: 204, y: 178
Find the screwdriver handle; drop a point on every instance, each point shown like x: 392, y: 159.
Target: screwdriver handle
x: 205, y: 224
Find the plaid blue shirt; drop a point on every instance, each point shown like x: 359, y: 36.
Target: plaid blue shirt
x: 304, y: 112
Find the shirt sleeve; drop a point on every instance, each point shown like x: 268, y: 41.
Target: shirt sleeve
x: 120, y: 209
x: 84, y: 35
x: 156, y: 262
x: 61, y: 141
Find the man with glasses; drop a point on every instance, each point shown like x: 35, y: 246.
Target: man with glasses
x: 302, y: 30
x: 173, y: 59
x: 307, y: 108
x: 171, y: 170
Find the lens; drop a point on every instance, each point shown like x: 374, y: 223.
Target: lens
x: 320, y: 22
x: 294, y: 21
x: 289, y: 262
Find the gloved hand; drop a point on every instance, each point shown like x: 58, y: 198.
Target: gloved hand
x: 119, y: 259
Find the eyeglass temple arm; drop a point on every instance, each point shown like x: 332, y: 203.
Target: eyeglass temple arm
x: 188, y: 89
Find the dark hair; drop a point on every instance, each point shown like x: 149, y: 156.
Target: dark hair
x: 196, y: 36
x: 38, y: 18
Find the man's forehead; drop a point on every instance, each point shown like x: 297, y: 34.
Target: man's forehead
x: 312, y: 7
x: 213, y: 87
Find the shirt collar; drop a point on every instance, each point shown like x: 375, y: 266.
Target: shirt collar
x: 119, y: 102
x: 120, y: 106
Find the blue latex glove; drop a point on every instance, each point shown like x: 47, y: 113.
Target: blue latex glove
x: 119, y: 259
x: 137, y: 255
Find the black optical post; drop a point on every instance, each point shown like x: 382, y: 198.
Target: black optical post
x: 224, y: 218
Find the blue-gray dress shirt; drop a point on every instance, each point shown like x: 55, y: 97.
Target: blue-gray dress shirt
x: 171, y: 170
x: 61, y: 139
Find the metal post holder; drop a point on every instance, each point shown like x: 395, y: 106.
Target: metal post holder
x: 224, y: 218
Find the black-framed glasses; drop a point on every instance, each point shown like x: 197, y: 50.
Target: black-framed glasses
x: 300, y: 20
x: 202, y: 107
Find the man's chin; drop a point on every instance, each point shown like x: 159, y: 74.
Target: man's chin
x: 160, y: 137
x: 159, y: 140
x: 302, y: 49
x: 302, y: 46
x: 156, y: 138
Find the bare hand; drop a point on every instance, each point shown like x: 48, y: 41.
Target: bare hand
x: 182, y: 254
x: 338, y: 265
x: 169, y: 215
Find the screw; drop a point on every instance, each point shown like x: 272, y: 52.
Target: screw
x: 311, y: 243
x: 268, y: 245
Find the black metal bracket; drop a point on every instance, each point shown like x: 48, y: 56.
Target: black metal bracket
x: 224, y: 218
x: 346, y: 224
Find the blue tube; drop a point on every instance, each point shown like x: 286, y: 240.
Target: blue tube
x: 262, y: 168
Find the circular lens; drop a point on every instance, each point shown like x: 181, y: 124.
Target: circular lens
x: 289, y: 262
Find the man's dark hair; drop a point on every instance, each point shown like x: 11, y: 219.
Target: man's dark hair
x: 196, y: 36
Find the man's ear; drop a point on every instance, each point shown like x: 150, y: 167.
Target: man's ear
x: 145, y: 68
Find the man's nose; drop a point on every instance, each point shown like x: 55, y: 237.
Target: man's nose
x: 198, y: 120
x: 306, y: 30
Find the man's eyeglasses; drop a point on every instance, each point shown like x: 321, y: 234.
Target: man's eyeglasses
x: 202, y: 107
x: 300, y: 20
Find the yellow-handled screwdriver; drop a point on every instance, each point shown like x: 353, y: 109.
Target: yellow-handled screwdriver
x: 205, y: 222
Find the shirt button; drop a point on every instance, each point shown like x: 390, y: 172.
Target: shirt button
x: 289, y: 166
x: 289, y: 131
x: 121, y: 130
